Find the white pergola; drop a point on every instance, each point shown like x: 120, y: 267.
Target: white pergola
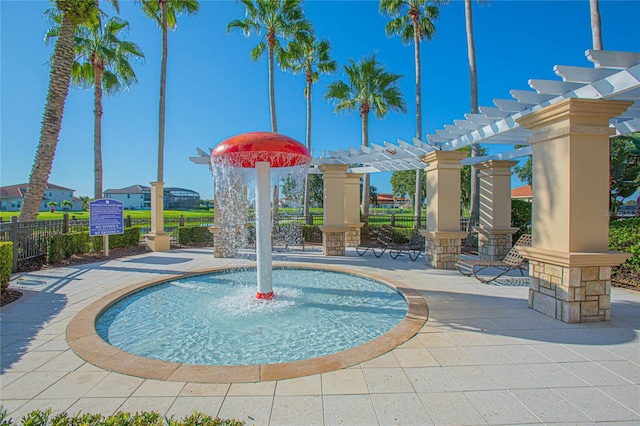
x: 616, y: 75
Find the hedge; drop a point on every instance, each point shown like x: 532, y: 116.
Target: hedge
x: 194, y: 235
x: 62, y: 246
x: 141, y: 418
x: 624, y: 235
x: 520, y: 218
x: 6, y: 261
x: 130, y: 237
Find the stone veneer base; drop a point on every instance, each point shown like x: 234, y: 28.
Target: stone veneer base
x: 442, y: 248
x: 570, y: 294
x: 333, y: 243
x: 86, y: 343
x: 494, y: 245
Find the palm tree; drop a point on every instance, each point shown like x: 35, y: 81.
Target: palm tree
x: 282, y: 21
x: 596, y: 26
x: 102, y: 62
x: 369, y: 87
x: 311, y: 56
x: 475, y: 148
x: 413, y: 20
x: 165, y: 13
x: 74, y: 13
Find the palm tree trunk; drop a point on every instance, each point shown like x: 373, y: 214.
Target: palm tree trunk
x: 365, y: 178
x: 272, y: 92
x: 305, y: 208
x: 475, y: 148
x: 163, y: 96
x: 596, y: 26
x: 59, y: 81
x: 417, y: 199
x: 97, y: 132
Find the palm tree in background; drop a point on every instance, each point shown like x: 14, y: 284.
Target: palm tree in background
x: 74, y: 13
x: 474, y: 213
x: 282, y: 21
x: 102, y: 63
x: 165, y: 13
x: 596, y: 25
x: 310, y: 56
x: 413, y: 21
x: 369, y: 87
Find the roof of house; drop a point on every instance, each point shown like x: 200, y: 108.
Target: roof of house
x: 20, y: 189
x: 522, y: 192
x: 383, y: 197
x: 133, y: 189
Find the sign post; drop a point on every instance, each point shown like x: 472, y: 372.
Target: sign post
x: 106, y: 217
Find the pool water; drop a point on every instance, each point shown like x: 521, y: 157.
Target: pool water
x: 215, y: 319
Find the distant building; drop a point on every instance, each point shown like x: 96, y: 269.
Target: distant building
x: 390, y: 201
x: 11, y: 197
x: 138, y: 197
x: 522, y: 193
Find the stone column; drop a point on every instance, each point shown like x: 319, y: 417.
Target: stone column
x: 352, y: 209
x: 495, y: 231
x: 569, y: 261
x: 334, y: 230
x: 157, y: 239
x: 443, y: 235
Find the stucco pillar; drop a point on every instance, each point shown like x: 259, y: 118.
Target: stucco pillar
x: 569, y: 261
x: 443, y: 235
x: 495, y: 231
x: 334, y: 229
x: 157, y: 239
x: 352, y: 209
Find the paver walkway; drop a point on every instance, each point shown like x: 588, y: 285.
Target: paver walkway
x: 483, y: 357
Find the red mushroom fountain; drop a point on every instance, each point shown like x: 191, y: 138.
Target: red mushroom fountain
x: 261, y: 151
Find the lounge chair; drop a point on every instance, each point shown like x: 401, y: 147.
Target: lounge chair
x: 384, y: 239
x: 413, y: 248
x: 513, y: 260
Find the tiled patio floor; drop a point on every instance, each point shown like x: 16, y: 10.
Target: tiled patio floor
x: 483, y: 357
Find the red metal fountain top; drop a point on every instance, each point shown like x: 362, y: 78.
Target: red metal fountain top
x: 246, y: 149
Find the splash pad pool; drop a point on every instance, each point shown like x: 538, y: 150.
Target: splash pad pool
x: 299, y: 353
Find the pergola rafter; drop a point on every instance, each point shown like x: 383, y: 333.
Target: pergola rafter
x: 616, y: 75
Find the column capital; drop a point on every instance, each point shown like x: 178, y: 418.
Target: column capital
x: 495, y: 165
x: 436, y: 159
x: 333, y: 168
x: 590, y: 112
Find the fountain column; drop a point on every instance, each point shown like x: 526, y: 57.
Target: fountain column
x: 263, y: 230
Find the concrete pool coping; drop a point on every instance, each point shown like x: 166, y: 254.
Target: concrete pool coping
x: 87, y: 344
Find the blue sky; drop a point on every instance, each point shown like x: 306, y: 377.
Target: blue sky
x: 214, y: 90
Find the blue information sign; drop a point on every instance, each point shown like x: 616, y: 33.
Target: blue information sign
x: 106, y: 217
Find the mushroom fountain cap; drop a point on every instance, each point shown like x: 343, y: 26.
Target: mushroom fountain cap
x: 245, y: 149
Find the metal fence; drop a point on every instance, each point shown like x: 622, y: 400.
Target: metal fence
x: 30, y: 238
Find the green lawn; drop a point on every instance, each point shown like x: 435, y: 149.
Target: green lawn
x: 144, y: 214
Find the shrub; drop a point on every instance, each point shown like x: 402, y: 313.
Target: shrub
x: 308, y: 232
x: 520, y: 217
x: 130, y: 237
x: 62, y: 246
x: 6, y: 262
x: 194, y: 235
x: 624, y: 235
x: 150, y: 418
